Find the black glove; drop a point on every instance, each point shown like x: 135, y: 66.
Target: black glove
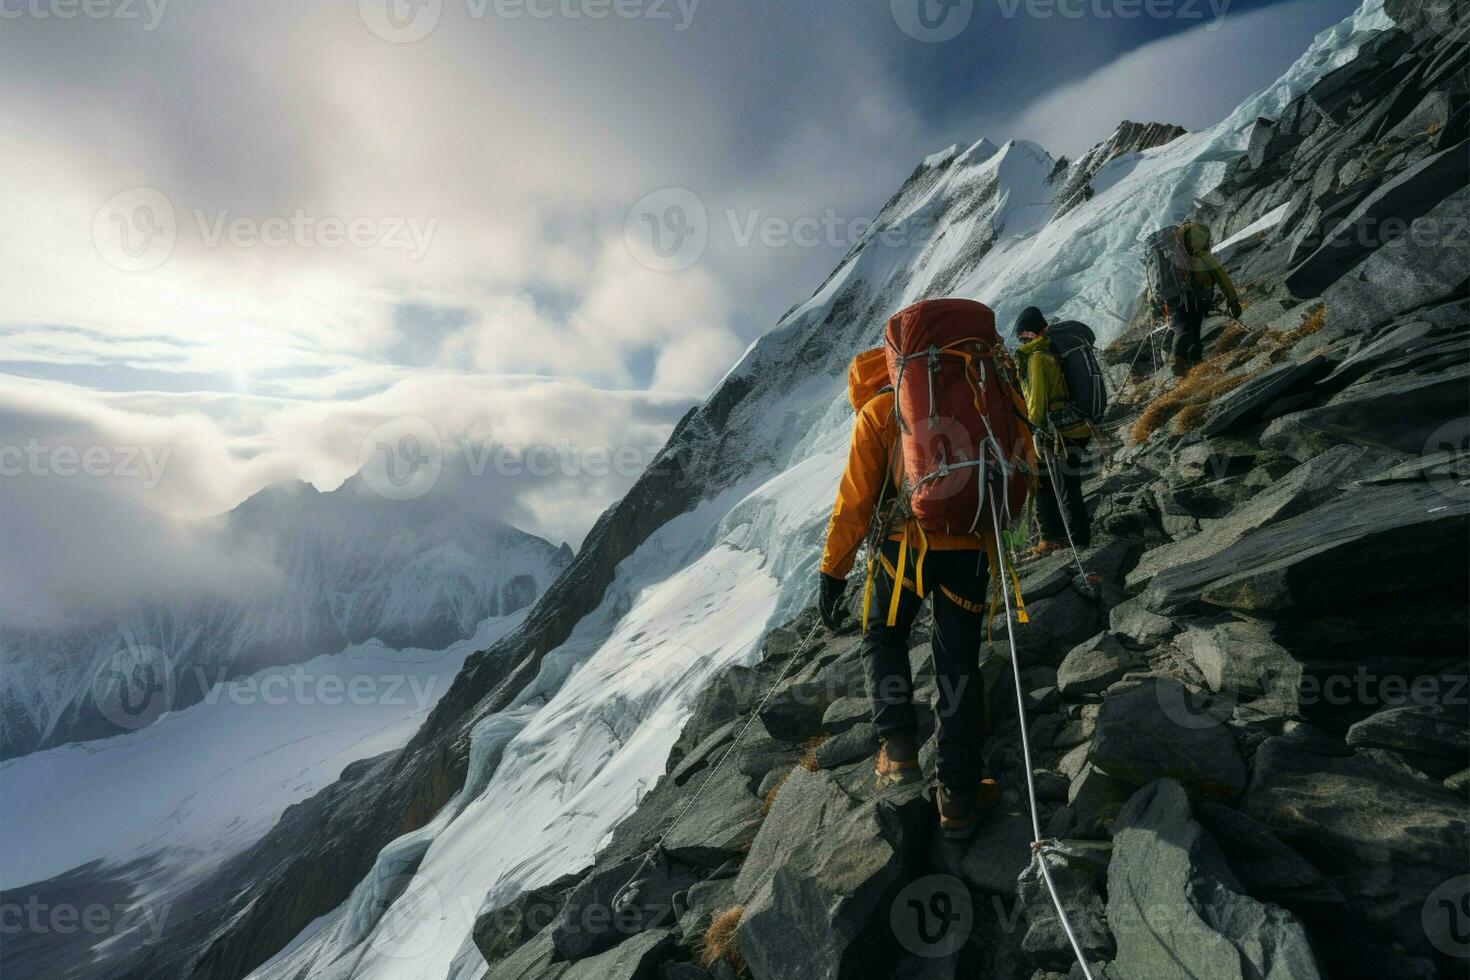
x: 829, y: 601
x: 1235, y: 310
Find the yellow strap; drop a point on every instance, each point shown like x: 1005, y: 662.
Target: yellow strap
x: 1021, y: 616
x: 868, y: 593
x: 903, y: 558
x: 919, y: 565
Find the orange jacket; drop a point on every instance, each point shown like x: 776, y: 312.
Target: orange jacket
x: 869, y: 456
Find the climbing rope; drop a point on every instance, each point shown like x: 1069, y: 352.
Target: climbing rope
x: 622, y: 898
x: 1039, y: 847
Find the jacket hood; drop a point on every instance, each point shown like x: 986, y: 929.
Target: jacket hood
x: 866, y: 376
x: 1196, y: 238
x: 1024, y: 352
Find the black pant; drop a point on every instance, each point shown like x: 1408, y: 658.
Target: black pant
x: 1051, y: 499
x: 957, y: 581
x: 1186, y: 319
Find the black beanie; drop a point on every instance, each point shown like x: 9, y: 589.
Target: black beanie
x: 1030, y: 321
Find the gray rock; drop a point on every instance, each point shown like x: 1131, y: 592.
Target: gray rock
x: 1359, y: 548
x: 1093, y: 666
x: 844, y: 713
x: 998, y: 854
x: 1308, y: 485
x: 535, y: 960
x: 1051, y: 786
x: 771, y: 780
x: 1242, y: 660
x: 1253, y: 400
x: 1160, y: 729
x: 1270, y: 870
x: 1045, y: 942
x: 701, y: 903
x: 1136, y: 626
x: 818, y: 908
x: 720, y: 825
x: 1095, y: 800
x: 1072, y: 763
x: 1042, y: 700
x: 589, y: 922
x: 1459, y: 783
x: 1420, y: 267
x: 1386, y: 839
x: 704, y: 754
x: 855, y: 743
x: 1395, y: 413
x: 634, y: 959
x: 760, y: 752
x: 681, y: 971
x: 1433, y: 738
x: 1176, y: 909
x: 795, y: 708
x: 500, y: 931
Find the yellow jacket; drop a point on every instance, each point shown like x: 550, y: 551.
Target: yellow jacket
x: 1206, y: 270
x: 870, y: 456
x: 1046, y: 386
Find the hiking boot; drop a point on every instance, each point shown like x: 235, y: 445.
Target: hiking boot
x: 1045, y: 548
x: 898, y: 762
x: 1180, y: 366
x: 960, y: 810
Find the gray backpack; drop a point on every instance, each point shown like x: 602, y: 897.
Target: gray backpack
x: 1073, y: 345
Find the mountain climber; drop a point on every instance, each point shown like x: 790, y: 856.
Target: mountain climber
x: 955, y: 578
x: 1059, y: 504
x: 1205, y: 272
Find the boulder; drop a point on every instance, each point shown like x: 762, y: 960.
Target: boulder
x: 797, y: 705
x: 1433, y: 738
x: 1422, y: 266
x: 500, y: 931
x: 1176, y: 909
x: 1400, y: 413
x: 844, y: 713
x: 1095, y: 799
x: 1157, y: 729
x: 705, y: 753
x: 589, y: 923
x: 1356, y: 550
x: 720, y: 824
x: 535, y: 960
x: 820, y: 904
x: 998, y: 854
x: 701, y: 903
x: 636, y: 959
x: 1242, y: 660
x: 1139, y: 628
x: 1385, y: 837
x: 1306, y: 486
x: 671, y: 970
x: 1252, y: 401
x: 856, y: 743
x: 1271, y: 871
x: 1093, y: 666
x: 1045, y: 943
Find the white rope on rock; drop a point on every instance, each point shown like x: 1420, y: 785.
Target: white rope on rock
x: 1039, y: 847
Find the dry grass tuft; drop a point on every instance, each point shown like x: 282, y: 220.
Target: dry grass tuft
x: 1229, y: 339
x: 808, y: 760
x: 719, y: 940
x: 1197, y: 390
x: 774, y: 792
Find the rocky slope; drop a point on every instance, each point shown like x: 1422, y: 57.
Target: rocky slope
x: 1254, y: 749
x: 522, y: 772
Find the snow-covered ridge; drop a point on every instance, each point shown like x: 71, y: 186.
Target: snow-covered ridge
x: 563, y: 765
x: 318, y: 573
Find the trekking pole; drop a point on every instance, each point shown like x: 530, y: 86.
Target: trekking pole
x: 1084, y: 582
x: 1038, y: 846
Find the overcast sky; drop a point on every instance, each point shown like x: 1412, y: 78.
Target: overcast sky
x: 248, y: 233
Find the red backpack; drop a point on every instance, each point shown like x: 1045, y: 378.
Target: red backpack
x: 960, y: 416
